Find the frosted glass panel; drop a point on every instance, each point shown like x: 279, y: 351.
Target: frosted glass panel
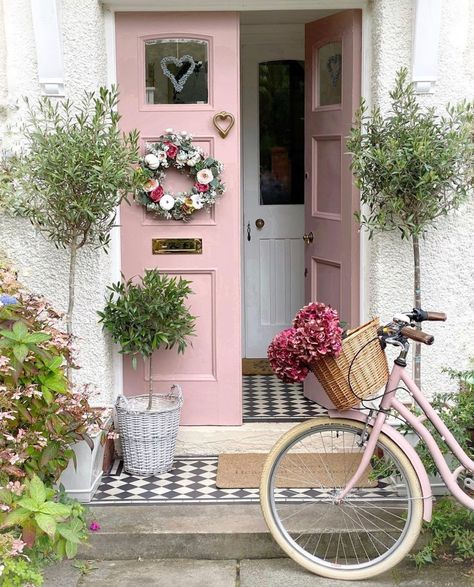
x: 330, y: 73
x: 176, y: 71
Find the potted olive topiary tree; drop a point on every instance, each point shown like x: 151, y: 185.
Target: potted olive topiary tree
x: 412, y: 166
x: 75, y: 168
x: 142, y: 317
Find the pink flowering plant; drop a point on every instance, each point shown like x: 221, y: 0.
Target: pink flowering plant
x: 41, y: 417
x: 316, y: 333
x: 176, y: 149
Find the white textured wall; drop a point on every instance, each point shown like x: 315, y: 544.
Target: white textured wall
x: 447, y: 259
x: 41, y: 266
x: 447, y: 253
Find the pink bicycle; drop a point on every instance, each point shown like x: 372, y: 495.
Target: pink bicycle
x: 345, y: 496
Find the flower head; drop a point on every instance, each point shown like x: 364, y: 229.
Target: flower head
x: 152, y: 161
x: 283, y: 354
x: 172, y: 150
x: 167, y: 202
x: 157, y: 193
x: 151, y: 185
x: 7, y: 300
x: 201, y: 187
x: 196, y: 201
x: 94, y: 526
x: 204, y: 176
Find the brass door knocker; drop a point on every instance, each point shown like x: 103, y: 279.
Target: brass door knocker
x: 220, y: 118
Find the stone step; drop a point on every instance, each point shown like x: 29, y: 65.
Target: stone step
x: 214, y: 532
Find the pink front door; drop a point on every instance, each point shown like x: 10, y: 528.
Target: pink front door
x: 333, y: 65
x: 147, y: 45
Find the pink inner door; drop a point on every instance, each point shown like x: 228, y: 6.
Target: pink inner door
x: 147, y: 45
x: 333, y: 64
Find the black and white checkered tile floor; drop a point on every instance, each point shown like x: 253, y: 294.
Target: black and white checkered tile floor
x: 193, y: 479
x: 267, y: 399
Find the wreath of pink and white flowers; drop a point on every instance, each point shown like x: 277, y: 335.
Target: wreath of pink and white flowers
x: 177, y: 150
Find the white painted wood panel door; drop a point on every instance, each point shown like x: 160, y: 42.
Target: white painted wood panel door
x: 274, y: 255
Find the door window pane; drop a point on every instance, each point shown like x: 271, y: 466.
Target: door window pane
x: 176, y: 71
x: 281, y: 110
x: 330, y: 73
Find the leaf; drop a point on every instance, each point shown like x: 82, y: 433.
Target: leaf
x: 58, y: 510
x: 69, y: 533
x: 37, y: 490
x: 47, y: 523
x: 20, y: 351
x: 37, y: 337
x: 16, y: 517
x: 20, y: 330
x: 30, y: 504
x: 71, y: 549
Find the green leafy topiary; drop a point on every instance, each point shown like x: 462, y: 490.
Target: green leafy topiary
x: 151, y: 314
x: 411, y: 166
x: 76, y: 168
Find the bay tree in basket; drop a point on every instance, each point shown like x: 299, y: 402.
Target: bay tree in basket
x: 147, y: 315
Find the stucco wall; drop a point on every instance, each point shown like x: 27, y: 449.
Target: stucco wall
x: 41, y: 267
x: 446, y: 254
x: 447, y: 260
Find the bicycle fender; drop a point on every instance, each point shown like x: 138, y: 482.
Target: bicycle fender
x: 406, y: 447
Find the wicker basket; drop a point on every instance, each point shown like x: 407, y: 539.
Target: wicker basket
x: 148, y: 437
x: 369, y: 372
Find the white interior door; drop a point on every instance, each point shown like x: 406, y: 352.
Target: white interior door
x: 272, y: 239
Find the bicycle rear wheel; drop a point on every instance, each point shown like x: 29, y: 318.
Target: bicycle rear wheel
x: 375, y: 525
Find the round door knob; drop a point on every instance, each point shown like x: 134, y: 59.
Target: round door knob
x: 260, y: 223
x: 308, y: 238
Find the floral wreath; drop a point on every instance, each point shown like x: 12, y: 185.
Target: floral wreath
x: 176, y: 150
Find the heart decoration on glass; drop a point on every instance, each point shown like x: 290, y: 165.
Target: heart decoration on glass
x: 334, y: 65
x: 182, y: 75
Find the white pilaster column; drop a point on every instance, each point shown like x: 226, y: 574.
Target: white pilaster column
x: 49, y: 55
x: 426, y: 44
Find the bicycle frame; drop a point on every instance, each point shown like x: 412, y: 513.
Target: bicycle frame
x: 388, y: 402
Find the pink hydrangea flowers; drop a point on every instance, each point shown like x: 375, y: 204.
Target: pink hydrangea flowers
x: 316, y: 333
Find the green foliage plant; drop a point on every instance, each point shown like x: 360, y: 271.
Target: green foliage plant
x: 147, y: 315
x: 42, y: 517
x: 412, y: 166
x: 451, y: 532
x: 76, y: 168
x: 40, y: 417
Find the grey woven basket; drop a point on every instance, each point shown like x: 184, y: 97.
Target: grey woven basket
x: 148, y: 437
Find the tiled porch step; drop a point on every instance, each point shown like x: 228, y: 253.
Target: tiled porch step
x: 217, y: 532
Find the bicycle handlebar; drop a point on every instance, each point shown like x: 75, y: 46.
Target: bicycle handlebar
x: 417, y: 335
x: 419, y: 315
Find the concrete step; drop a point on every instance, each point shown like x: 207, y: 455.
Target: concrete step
x: 214, y: 532
x: 244, y: 573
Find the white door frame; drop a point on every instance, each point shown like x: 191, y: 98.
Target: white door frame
x: 112, y: 6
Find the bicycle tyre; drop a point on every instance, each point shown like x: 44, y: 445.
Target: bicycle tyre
x: 316, y: 564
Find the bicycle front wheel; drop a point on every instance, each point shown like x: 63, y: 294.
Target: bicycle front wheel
x: 370, y: 530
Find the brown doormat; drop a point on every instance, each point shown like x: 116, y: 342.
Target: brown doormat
x: 243, y: 470
x: 256, y: 367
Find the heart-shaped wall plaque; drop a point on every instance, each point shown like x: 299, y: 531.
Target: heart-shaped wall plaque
x: 220, y: 123
x: 185, y: 66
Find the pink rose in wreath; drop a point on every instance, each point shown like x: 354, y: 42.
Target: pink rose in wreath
x: 172, y: 150
x: 157, y: 193
x: 201, y: 187
x: 151, y: 185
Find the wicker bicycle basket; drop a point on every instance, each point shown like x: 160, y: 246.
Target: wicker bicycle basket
x: 367, y: 375
x: 148, y: 437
